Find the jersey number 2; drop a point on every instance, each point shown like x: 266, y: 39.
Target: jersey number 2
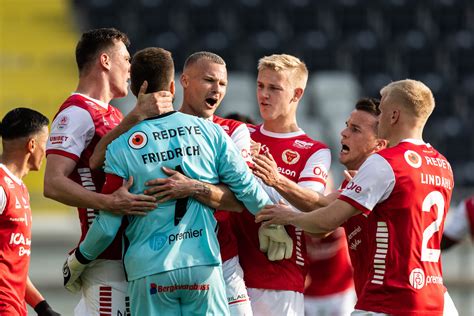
x: 432, y: 199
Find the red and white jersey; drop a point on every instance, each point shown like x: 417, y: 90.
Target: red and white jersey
x: 77, y: 128
x: 240, y: 135
x: 306, y: 162
x: 356, y: 235
x: 405, y: 192
x: 15, y: 240
x: 330, y: 270
x: 460, y: 220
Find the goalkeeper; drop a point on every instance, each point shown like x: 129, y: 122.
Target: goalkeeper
x: 171, y: 256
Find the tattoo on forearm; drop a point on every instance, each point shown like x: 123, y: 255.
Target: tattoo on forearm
x: 201, y: 189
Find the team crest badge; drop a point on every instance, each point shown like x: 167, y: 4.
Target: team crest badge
x: 290, y: 156
x: 138, y: 140
x: 413, y: 158
x: 63, y: 122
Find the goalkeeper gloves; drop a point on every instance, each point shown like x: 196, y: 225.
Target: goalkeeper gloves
x: 72, y: 269
x: 43, y: 309
x: 275, y: 241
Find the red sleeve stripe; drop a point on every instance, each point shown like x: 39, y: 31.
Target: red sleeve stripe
x: 62, y: 153
x: 355, y: 204
x: 312, y: 179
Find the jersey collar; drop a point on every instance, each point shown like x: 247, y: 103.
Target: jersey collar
x: 103, y: 105
x: 415, y: 141
x: 281, y: 135
x: 11, y: 175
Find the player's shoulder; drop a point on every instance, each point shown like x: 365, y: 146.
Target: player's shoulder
x: 306, y: 142
x: 229, y: 125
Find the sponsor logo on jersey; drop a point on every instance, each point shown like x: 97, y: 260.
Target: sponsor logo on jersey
x: 9, y: 182
x: 251, y: 129
x: 63, y: 122
x: 302, y: 144
x: 17, y: 203
x: 137, y: 140
x: 287, y: 172
x: 320, y: 172
x: 225, y: 128
x: 58, y: 140
x: 354, y: 187
x: 413, y: 158
x: 237, y: 299
x: 417, y: 278
x: 290, y: 156
x: 156, y: 288
x: 159, y: 240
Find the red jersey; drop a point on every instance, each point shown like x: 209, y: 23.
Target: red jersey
x: 77, y: 128
x: 460, y: 221
x: 356, y: 234
x: 240, y: 135
x: 405, y: 192
x: 306, y: 162
x: 330, y: 270
x: 15, y: 240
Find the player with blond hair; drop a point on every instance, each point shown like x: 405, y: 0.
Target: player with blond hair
x: 404, y: 191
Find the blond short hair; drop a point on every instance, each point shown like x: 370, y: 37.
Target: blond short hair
x: 283, y: 62
x: 413, y: 94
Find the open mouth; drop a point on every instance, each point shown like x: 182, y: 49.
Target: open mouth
x: 211, y: 101
x: 345, y: 149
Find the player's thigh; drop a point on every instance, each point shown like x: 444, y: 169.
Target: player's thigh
x: 202, y: 291
x: 104, y: 289
x: 278, y: 303
x: 237, y: 296
x: 152, y: 295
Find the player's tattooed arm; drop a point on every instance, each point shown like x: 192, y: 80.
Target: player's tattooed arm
x: 178, y: 186
x: 148, y: 105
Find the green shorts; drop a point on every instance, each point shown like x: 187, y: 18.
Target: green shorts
x: 196, y: 290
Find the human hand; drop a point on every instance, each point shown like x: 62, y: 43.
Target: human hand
x: 122, y: 202
x: 277, y: 214
x: 176, y: 186
x: 275, y: 241
x: 152, y: 104
x: 349, y: 174
x: 72, y: 270
x: 254, y: 147
x: 266, y: 169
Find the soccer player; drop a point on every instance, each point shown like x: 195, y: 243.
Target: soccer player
x: 459, y: 223
x: 295, y: 167
x: 24, y: 132
x: 404, y: 190
x: 204, y: 82
x: 331, y: 291
x: 171, y: 258
x: 84, y: 118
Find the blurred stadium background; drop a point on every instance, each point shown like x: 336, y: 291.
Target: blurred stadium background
x: 351, y: 47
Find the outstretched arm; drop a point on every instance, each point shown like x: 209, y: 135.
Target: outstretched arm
x: 323, y: 220
x: 148, y: 105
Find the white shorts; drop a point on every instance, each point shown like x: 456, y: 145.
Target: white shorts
x: 276, y: 303
x: 236, y: 292
x: 104, y: 289
x: 449, y: 309
x: 339, y: 304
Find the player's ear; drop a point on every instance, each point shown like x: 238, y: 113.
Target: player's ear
x: 297, y: 94
x: 172, y: 87
x: 183, y: 79
x: 380, y: 144
x: 104, y: 59
x: 31, y: 145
